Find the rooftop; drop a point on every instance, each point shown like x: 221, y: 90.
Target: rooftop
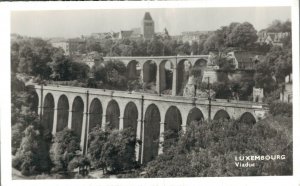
x: 147, y: 16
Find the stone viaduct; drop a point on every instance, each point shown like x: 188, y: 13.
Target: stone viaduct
x: 140, y: 67
x: 149, y: 115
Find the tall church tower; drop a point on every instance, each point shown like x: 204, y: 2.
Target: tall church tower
x: 147, y: 26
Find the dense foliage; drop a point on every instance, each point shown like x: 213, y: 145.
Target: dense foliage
x: 36, y: 57
x: 111, y: 74
x: 113, y: 150
x: 209, y: 149
x: 63, y: 149
x: 23, y: 111
x: 277, y: 108
x: 32, y: 156
x: 271, y: 72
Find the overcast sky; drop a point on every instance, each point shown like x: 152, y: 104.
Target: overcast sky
x: 74, y: 23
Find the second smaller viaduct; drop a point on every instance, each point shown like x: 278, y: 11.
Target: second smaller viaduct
x: 139, y: 67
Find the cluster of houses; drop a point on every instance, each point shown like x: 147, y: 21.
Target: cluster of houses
x: 272, y: 38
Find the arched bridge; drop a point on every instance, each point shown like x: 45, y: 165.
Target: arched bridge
x: 148, y: 114
x: 153, y: 69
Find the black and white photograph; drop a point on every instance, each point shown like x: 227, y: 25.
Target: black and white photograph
x: 151, y: 93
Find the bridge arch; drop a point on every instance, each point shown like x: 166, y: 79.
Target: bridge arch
x: 95, y: 115
x: 130, y: 116
x: 133, y: 70
x: 200, y: 63
x: 77, y: 115
x: 173, y: 121
x: 149, y: 71
x: 195, y: 114
x: 247, y: 118
x: 62, y: 112
x: 166, y: 76
x: 184, y: 67
x: 199, y: 67
x: 48, y: 112
x: 113, y: 115
x: 151, y: 133
x: 221, y: 115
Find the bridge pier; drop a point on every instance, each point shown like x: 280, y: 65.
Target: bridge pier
x: 161, y: 137
x: 70, y: 119
x: 121, y: 122
x: 141, y: 77
x: 158, y: 80
x: 103, y: 125
x: 138, y: 137
x: 83, y: 128
x: 143, y: 140
x: 174, y: 82
x: 54, y: 120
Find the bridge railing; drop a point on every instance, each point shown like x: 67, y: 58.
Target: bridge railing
x: 138, y: 95
x: 155, y: 57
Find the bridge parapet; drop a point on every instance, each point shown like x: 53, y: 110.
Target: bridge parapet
x: 155, y: 57
x: 156, y: 97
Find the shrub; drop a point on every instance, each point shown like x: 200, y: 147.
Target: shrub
x: 17, y: 133
x: 63, y: 149
x: 78, y: 161
x: 281, y: 108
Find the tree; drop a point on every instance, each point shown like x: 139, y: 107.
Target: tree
x: 280, y: 108
x: 226, y: 65
x: 96, y: 142
x: 99, y: 73
x: 242, y: 35
x: 15, y: 48
x: 118, y: 152
x: 273, y: 69
x: 61, y: 68
x: 116, y: 74
x: 26, y: 56
x: 278, y: 26
x: 32, y: 157
x: 194, y: 48
x: 94, y: 46
x: 155, y: 47
x: 79, y: 71
x: 23, y: 111
x: 64, y: 149
x: 141, y: 48
x: 64, y: 69
x: 33, y: 57
x: 216, y: 41
x: 222, y: 90
x: 183, y: 49
x: 112, y: 149
x: 264, y: 77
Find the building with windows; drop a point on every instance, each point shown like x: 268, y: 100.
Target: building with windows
x: 286, y: 94
x: 63, y: 45
x: 272, y: 38
x: 194, y: 36
x: 244, y: 59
